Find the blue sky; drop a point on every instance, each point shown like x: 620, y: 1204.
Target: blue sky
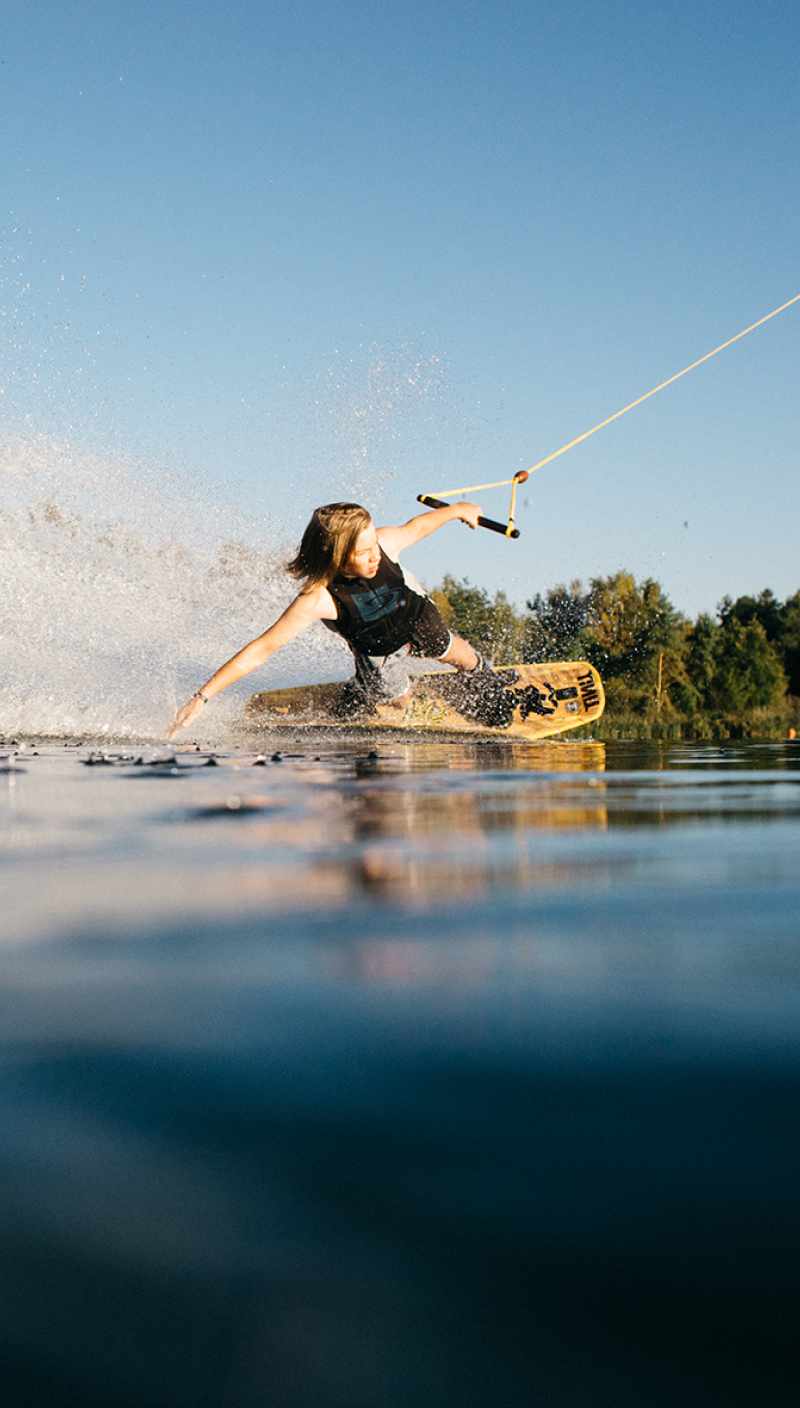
x: 298, y: 253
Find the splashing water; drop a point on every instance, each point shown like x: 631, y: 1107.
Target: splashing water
x: 110, y: 618
x: 121, y: 586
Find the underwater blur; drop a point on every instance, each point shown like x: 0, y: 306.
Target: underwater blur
x: 344, y: 1071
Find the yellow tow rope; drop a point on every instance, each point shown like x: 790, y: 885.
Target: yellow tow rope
x: 508, y: 529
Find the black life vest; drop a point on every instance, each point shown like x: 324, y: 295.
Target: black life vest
x: 376, y: 615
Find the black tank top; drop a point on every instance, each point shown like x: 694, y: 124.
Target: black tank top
x: 376, y: 615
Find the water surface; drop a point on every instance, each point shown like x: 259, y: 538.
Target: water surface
x: 384, y: 1072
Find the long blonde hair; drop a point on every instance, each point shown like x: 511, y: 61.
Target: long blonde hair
x: 328, y: 542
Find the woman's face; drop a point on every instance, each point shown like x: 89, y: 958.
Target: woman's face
x: 365, y: 558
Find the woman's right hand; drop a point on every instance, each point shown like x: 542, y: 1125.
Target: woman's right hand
x: 185, y: 714
x: 469, y: 513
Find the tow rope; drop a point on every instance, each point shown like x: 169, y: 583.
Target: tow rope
x: 508, y: 529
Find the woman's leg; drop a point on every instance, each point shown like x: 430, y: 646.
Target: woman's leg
x: 433, y: 640
x: 377, y: 680
x: 483, y: 697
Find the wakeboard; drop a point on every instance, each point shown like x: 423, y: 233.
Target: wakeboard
x: 515, y: 701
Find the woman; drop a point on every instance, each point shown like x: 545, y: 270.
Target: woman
x: 353, y: 584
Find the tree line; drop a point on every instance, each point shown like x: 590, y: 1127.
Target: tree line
x: 732, y: 675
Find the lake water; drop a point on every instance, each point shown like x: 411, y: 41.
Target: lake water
x: 391, y: 1072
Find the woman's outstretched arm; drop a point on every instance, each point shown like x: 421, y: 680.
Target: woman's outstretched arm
x: 306, y: 608
x: 395, y: 539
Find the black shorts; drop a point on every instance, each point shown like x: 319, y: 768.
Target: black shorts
x: 430, y: 637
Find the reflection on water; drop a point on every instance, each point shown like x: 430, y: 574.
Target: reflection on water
x: 412, y: 824
x: 457, y: 836
x: 401, y: 1073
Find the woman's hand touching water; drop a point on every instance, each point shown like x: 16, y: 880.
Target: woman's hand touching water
x: 186, y: 713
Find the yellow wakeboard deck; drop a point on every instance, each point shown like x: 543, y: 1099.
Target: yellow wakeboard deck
x: 519, y: 701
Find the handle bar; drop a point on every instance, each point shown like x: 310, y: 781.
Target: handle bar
x: 490, y: 523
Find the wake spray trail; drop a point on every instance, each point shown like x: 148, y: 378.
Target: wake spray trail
x: 108, y: 621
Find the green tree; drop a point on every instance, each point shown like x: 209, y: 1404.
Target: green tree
x: 748, y: 671
x: 781, y: 623
x: 629, y: 626
x: 694, y: 692
x: 556, y: 622
x: 508, y: 631
x: 764, y: 608
x: 790, y: 641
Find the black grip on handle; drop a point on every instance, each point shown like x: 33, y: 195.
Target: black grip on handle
x: 490, y: 523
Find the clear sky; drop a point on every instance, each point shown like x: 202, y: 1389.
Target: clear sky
x: 291, y: 253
